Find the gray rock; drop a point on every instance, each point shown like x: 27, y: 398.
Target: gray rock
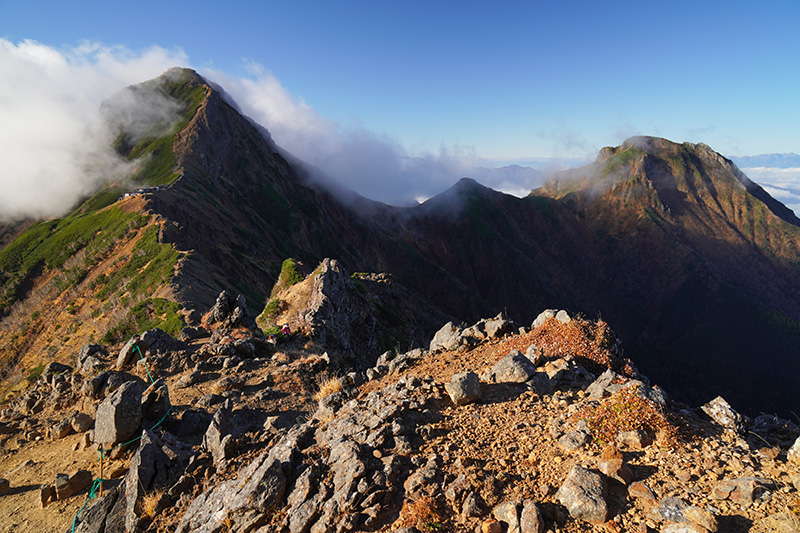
x: 513, y: 368
x: 573, y: 440
x: 473, y: 505
x: 81, y: 422
x: 220, y: 427
x: 684, y: 527
x: 793, y: 455
x: 91, y: 365
x: 583, y: 493
x: 670, y: 509
x: 743, y: 490
x: 53, y: 371
x: 447, y: 338
x: 119, y: 415
x: 127, y: 352
x: 241, y: 501
x: 636, y: 439
x: 599, y: 389
x: 187, y: 380
x: 723, y: 414
x: 543, y: 316
x: 499, y: 327
x: 531, y: 520
x: 149, y: 470
x: 535, y: 355
x: 61, y: 429
x: 93, y: 518
x: 464, y: 388
x: 563, y: 317
x: 508, y: 513
x: 67, y: 486
x: 155, y: 402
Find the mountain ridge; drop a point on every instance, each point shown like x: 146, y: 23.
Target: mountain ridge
x: 637, y: 236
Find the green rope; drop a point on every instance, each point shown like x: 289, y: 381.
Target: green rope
x: 92, y: 494
x: 144, y: 363
x: 102, y: 452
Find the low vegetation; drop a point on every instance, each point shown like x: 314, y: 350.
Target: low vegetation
x: 328, y: 387
x: 148, y: 314
x: 627, y: 411
x: 592, y: 343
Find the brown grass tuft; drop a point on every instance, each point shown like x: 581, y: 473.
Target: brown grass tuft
x: 329, y: 386
x: 422, y: 514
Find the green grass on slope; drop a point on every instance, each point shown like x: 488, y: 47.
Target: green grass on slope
x: 47, y: 245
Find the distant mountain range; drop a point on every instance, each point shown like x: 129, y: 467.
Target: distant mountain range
x: 789, y: 160
x: 693, y: 264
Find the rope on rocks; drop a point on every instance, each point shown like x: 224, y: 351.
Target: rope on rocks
x: 92, y: 494
x: 97, y: 484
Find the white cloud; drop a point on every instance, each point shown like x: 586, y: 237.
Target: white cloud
x: 50, y: 155
x: 374, y: 165
x: 781, y: 183
x: 48, y: 97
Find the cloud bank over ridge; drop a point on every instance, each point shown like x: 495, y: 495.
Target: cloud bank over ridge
x: 53, y: 155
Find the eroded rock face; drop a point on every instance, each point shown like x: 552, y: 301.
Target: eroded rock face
x: 348, y: 487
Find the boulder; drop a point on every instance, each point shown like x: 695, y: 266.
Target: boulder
x: 155, y: 402
x: 119, y: 415
x: 499, y: 327
x: 543, y: 316
x: 670, y: 509
x: 187, y: 380
x: 127, y: 352
x: 447, y: 338
x: 531, y: 520
x: 81, y: 422
x: 218, y: 430
x: 5, y: 486
x: 583, y: 493
x: 149, y: 470
x: 513, y: 368
x: 573, y: 440
x: 563, y: 317
x: 464, y: 388
x: 54, y: 370
x: 535, y: 354
x: 508, y: 513
x: 793, y: 455
x: 723, y: 414
x: 61, y: 429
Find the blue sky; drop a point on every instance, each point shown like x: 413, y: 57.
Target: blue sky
x: 502, y: 81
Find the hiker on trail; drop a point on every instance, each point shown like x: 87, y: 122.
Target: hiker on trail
x: 285, y: 330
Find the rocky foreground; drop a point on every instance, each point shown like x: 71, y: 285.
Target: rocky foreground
x: 494, y: 428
